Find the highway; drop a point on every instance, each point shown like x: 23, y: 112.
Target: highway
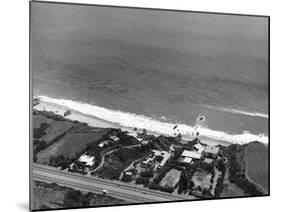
x: 117, y: 189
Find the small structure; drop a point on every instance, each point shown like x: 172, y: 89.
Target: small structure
x: 211, y: 152
x: 148, y: 162
x: 144, y: 142
x: 199, y: 148
x: 114, y: 138
x: 87, y: 159
x: 172, y: 148
x: 67, y: 113
x: 101, y: 145
x: 184, y: 160
x: 105, y: 143
x: 127, y: 176
x: 208, y: 161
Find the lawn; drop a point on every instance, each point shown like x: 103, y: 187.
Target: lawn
x: 72, y: 143
x: 54, y: 129
x: 256, y: 159
x: 231, y: 190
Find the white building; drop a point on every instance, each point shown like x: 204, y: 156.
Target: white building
x: 186, y: 160
x: 199, y: 148
x: 114, y: 138
x: 87, y: 159
x: 191, y: 154
x: 211, y: 151
x: 166, y: 155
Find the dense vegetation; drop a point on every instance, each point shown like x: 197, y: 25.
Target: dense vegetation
x: 117, y: 161
x: 64, y: 197
x: 237, y: 171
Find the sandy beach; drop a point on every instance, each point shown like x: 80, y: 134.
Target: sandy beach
x: 75, y: 116
x: 97, y: 122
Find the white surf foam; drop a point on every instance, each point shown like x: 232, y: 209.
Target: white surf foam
x: 235, y: 111
x: 140, y: 121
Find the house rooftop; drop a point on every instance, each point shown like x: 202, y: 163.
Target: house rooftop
x: 89, y: 160
x: 191, y: 154
x: 185, y: 160
x: 208, y: 160
x: 199, y: 148
x: 212, y: 149
x: 163, y: 154
x: 114, y: 138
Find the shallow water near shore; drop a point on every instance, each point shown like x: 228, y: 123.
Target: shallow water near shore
x: 130, y: 120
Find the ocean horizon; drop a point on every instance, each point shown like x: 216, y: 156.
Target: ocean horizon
x: 141, y: 62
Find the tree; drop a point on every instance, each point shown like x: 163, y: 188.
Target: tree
x: 73, y: 198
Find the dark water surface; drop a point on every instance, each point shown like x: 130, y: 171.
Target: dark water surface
x: 154, y: 63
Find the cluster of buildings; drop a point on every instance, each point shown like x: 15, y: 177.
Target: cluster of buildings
x: 208, y: 153
x: 157, y: 158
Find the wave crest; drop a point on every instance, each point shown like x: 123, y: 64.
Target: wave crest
x: 235, y: 111
x: 132, y: 120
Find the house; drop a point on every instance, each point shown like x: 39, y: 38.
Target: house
x: 211, y: 152
x: 148, y: 162
x: 161, y: 156
x: 105, y: 143
x: 187, y: 156
x: 199, y: 148
x: 87, y: 159
x: 184, y: 160
x: 191, y: 154
x: 208, y: 160
x: 127, y: 176
x: 164, y: 154
x: 114, y: 138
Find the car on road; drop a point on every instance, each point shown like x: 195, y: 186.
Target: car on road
x: 144, y: 192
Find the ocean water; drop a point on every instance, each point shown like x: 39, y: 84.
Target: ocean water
x: 165, y: 67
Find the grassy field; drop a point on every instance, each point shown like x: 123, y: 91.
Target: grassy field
x: 48, y: 196
x: 54, y: 129
x: 231, y: 190
x: 256, y: 159
x: 72, y: 143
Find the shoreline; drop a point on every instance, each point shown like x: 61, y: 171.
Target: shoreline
x: 97, y: 122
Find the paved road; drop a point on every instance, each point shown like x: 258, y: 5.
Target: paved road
x: 116, y: 189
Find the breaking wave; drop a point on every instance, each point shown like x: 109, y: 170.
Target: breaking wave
x: 235, y: 111
x: 132, y: 120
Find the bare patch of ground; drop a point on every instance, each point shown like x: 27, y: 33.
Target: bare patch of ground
x: 171, y: 179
